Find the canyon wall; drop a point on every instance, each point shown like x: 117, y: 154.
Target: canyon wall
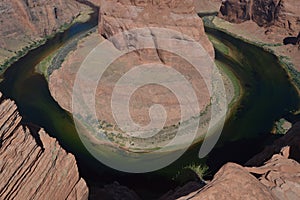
x: 266, y: 13
x: 23, y: 22
x: 33, y: 165
x: 207, y: 6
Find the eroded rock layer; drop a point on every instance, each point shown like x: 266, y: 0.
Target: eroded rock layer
x: 34, y: 166
x: 24, y: 21
x: 179, y: 15
x: 281, y: 13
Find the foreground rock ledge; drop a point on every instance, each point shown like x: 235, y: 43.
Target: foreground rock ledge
x: 34, y: 167
x: 276, y: 175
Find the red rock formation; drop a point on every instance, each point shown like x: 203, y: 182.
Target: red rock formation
x: 117, y: 16
x: 278, y: 178
x: 179, y: 15
x: 280, y: 13
x: 34, y: 167
x: 207, y: 6
x: 232, y: 182
x: 25, y: 21
x: 235, y: 11
x: 281, y: 175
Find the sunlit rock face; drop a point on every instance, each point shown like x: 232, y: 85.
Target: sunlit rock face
x: 178, y: 15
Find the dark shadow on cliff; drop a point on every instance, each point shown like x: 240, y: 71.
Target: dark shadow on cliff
x: 34, y: 130
x: 292, y: 40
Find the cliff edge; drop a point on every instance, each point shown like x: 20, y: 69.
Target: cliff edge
x: 33, y: 165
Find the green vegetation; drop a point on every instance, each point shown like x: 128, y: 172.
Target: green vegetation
x: 19, y: 54
x: 234, y: 81
x: 200, y: 170
x: 82, y: 17
x: 219, y: 45
x: 209, y: 22
x: 290, y: 68
x: 281, y: 127
x: 42, y: 67
x: 191, y: 172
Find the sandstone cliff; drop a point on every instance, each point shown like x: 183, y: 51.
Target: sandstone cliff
x: 280, y: 13
x: 207, y: 6
x: 117, y: 16
x: 23, y: 22
x: 33, y: 165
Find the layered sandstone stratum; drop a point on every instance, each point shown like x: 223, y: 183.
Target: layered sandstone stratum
x: 24, y: 22
x: 33, y: 165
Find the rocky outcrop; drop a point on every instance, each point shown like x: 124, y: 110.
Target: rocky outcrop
x: 280, y: 175
x: 278, y: 178
x: 235, y: 11
x: 280, y: 13
x: 33, y: 165
x: 117, y: 16
x: 23, y: 22
x: 272, y: 174
x: 207, y: 6
x: 232, y: 182
x: 180, y: 16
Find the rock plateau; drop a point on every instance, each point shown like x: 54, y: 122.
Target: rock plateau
x: 119, y: 16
